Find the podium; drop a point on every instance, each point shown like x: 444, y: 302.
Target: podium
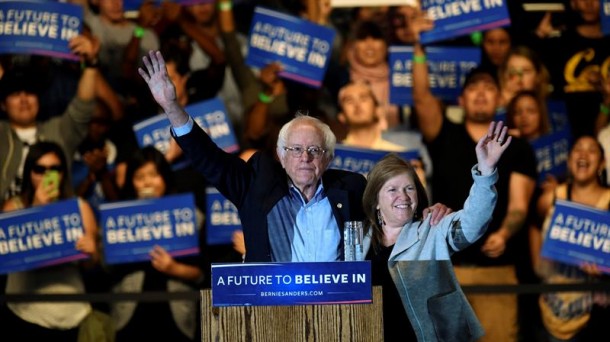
x: 335, y: 322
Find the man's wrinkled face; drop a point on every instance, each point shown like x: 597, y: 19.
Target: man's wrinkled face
x: 307, y: 169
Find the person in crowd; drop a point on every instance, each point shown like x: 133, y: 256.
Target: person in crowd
x: 576, y: 56
x: 191, y: 33
x: 367, y: 60
x: 575, y: 316
x: 19, y: 98
x: 526, y: 116
x: 491, y: 259
x: 274, y: 196
x: 399, y: 20
x: 359, y: 113
x: 58, y: 78
x: 209, y: 50
x: 495, y: 47
x: 93, y: 174
x: 523, y: 70
x: 58, y: 321
x: 150, y: 176
x: 411, y: 259
x: 268, y: 99
x: 123, y: 42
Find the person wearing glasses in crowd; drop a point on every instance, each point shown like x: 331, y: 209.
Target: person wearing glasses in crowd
x: 57, y: 321
x: 292, y: 207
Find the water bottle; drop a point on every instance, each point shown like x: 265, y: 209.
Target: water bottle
x: 353, y: 232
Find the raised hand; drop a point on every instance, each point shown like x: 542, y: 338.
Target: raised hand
x: 159, y: 83
x: 162, y: 88
x: 491, y: 146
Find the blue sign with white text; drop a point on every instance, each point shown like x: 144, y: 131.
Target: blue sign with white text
x: 291, y: 283
x: 40, y: 236
x: 578, y: 234
x: 447, y: 69
x: 362, y: 160
x: 39, y: 28
x: 222, y: 218
x: 455, y: 18
x: 552, y: 155
x: 301, y: 47
x: 132, y: 228
x: 211, y: 115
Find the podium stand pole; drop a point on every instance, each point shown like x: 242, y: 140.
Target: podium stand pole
x: 345, y: 322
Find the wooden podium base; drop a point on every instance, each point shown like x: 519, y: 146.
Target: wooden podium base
x: 348, y: 322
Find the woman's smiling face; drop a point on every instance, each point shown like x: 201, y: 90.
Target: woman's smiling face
x: 398, y: 200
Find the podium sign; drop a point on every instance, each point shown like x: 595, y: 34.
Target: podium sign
x: 292, y: 283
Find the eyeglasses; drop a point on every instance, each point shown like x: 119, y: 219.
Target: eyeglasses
x: 297, y: 151
x: 40, y: 169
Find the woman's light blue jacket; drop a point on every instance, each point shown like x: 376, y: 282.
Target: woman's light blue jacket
x: 421, y: 268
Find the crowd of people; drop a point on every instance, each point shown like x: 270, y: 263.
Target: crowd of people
x: 476, y: 161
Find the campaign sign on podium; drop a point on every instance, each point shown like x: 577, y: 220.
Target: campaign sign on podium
x: 300, y: 46
x: 291, y: 283
x: 133, y: 228
x: 40, y: 236
x: 455, y: 18
x: 39, y: 28
x: 578, y: 234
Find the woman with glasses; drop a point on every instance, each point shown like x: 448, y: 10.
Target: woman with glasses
x: 46, y: 181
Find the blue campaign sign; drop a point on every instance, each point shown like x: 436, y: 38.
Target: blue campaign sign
x: 362, y: 160
x: 39, y: 28
x: 40, y: 236
x: 455, y: 18
x: 211, y: 115
x: 302, y: 47
x: 291, y: 283
x: 578, y: 234
x: 447, y: 69
x: 605, y: 17
x: 552, y: 152
x: 222, y: 218
x: 132, y: 228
